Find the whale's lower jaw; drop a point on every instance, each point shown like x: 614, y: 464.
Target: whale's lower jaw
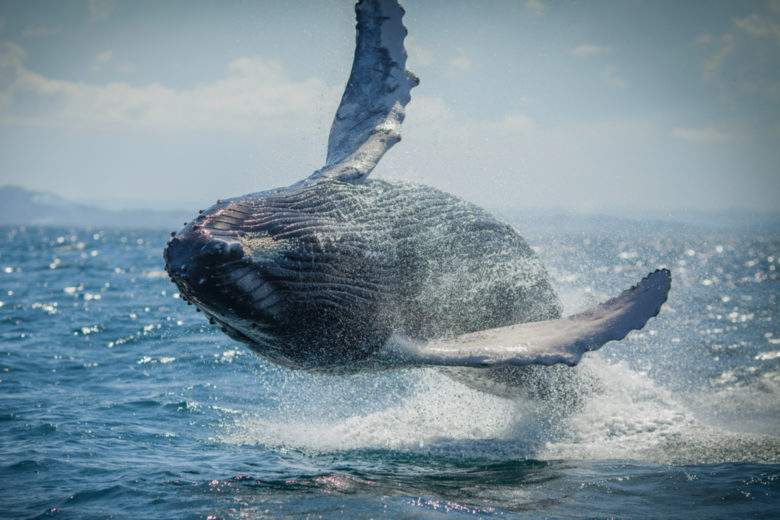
x: 214, y: 275
x: 200, y: 280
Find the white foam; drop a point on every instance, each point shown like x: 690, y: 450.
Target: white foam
x: 629, y: 417
x: 436, y: 409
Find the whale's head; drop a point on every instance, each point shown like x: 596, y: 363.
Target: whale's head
x: 274, y: 272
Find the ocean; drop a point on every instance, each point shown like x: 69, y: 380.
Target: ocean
x: 118, y: 400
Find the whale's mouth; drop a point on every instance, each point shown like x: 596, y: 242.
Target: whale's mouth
x: 222, y: 280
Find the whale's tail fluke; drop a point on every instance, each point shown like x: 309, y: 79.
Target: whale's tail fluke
x: 543, y: 342
x: 368, y: 120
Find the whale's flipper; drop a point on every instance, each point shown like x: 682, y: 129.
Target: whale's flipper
x: 368, y: 120
x: 543, y: 342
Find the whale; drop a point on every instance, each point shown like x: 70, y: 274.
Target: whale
x: 341, y: 273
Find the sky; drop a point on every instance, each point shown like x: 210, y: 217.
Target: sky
x: 593, y: 106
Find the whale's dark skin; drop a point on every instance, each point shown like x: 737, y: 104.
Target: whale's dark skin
x: 341, y: 273
x: 321, y: 276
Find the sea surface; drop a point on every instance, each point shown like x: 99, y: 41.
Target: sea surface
x: 118, y: 400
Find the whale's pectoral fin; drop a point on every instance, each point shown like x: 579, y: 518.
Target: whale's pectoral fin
x: 368, y: 120
x: 542, y: 342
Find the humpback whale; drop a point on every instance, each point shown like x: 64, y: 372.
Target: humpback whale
x: 342, y: 273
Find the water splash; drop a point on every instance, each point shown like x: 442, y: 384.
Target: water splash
x: 627, y: 417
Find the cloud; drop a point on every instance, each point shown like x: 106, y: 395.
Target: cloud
x: 106, y: 58
x: 434, y: 112
x: 748, y: 28
x: 254, y: 94
x: 11, y: 58
x: 11, y: 54
x: 719, y: 52
x: 536, y: 6
x: 461, y: 61
x: 704, y: 135
x: 40, y: 31
x: 759, y: 26
x: 528, y: 162
x: 611, y: 76
x: 103, y: 57
x: 100, y: 9
x: 587, y: 50
x: 742, y: 62
x: 704, y: 39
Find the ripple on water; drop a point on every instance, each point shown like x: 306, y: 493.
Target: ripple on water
x: 175, y: 420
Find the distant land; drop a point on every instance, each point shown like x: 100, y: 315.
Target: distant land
x: 20, y: 206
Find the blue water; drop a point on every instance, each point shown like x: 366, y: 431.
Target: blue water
x: 116, y: 399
